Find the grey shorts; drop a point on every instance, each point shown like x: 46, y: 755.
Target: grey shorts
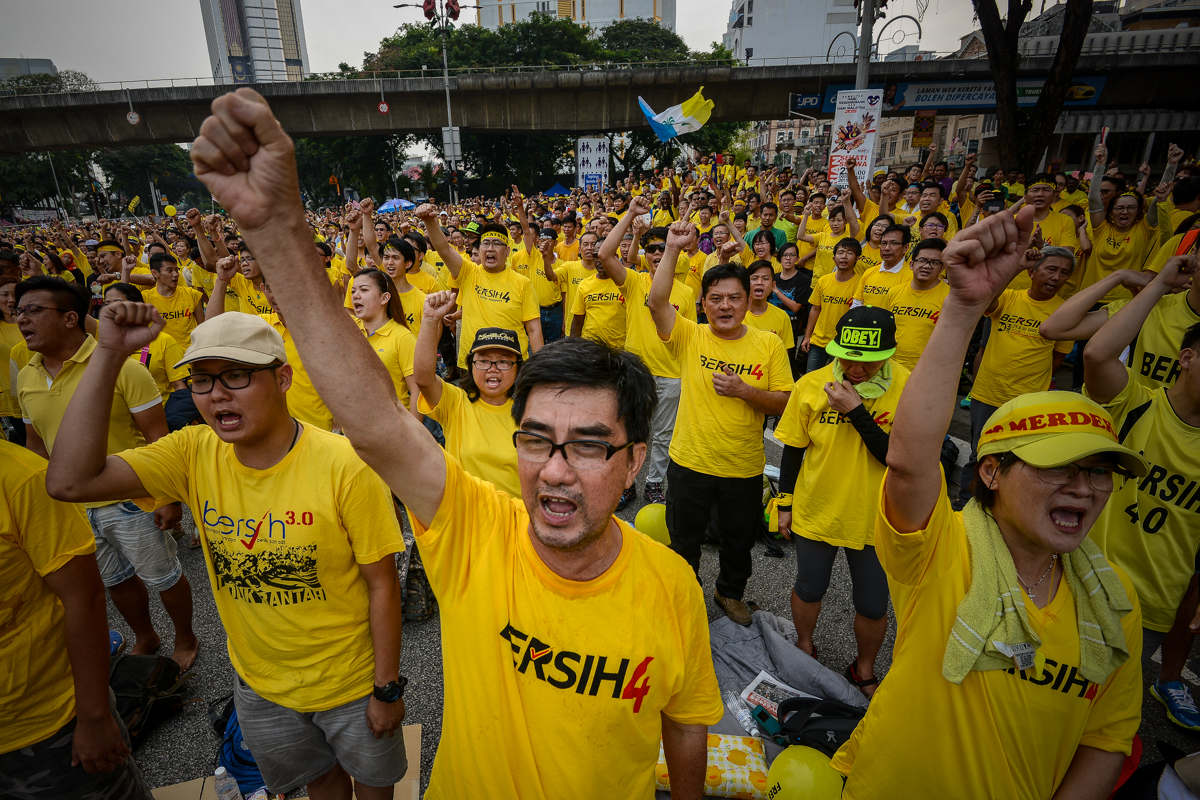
x: 128, y: 543
x: 293, y: 748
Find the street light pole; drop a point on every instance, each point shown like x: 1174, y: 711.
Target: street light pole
x: 865, y: 35
x: 446, y: 83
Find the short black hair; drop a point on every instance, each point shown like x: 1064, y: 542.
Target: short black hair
x: 70, y: 296
x: 325, y: 249
x: 765, y: 236
x: 719, y: 272
x: 938, y: 216
x: 760, y: 264
x: 131, y: 292
x: 984, y: 495
x: 406, y: 250
x: 1191, y: 338
x: 933, y: 185
x: 928, y: 244
x: 576, y: 362
x: 1115, y: 181
x: 1186, y: 190
x: 417, y: 241
x: 903, y: 230
x: 157, y: 259
x: 849, y: 243
x: 1041, y: 177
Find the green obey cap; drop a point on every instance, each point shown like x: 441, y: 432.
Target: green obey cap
x: 865, y: 333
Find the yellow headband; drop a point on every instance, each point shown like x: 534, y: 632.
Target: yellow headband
x: 502, y: 238
x: 1130, y: 193
x: 1042, y: 182
x: 110, y: 248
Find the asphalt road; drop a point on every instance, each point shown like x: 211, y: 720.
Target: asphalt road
x: 184, y: 747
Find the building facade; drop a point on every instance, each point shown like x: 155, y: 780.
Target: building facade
x: 491, y: 14
x: 792, y: 29
x: 795, y: 143
x: 255, y: 41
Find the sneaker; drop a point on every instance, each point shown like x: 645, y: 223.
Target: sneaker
x: 1177, y: 699
x: 965, y: 402
x: 627, y: 497
x: 653, y: 492
x: 736, y: 610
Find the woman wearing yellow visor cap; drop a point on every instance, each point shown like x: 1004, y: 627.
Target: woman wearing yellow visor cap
x: 1014, y: 632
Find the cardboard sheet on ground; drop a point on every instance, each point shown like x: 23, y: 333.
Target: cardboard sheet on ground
x: 409, y: 787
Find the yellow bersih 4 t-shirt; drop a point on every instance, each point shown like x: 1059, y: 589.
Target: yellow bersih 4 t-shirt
x: 1151, y: 526
x: 916, y: 314
x: 554, y: 688
x: 601, y: 301
x: 503, y: 299
x: 1000, y: 734
x: 282, y: 546
x: 1017, y: 358
x: 641, y: 337
x: 717, y: 435
x: 837, y: 471
x: 37, y: 537
x: 479, y: 435
x: 177, y: 311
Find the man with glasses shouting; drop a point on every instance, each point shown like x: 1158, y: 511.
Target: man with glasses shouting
x: 134, y: 549
x: 299, y: 540
x: 583, y: 642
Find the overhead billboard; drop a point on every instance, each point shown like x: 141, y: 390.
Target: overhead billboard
x: 902, y: 96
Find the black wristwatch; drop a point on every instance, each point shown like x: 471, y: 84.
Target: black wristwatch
x: 392, y: 692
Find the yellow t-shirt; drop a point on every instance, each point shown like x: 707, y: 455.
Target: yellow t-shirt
x: 1155, y: 358
x: 1017, y: 358
x: 1113, y: 250
x: 1148, y: 528
x: 717, y: 435
x: 601, y: 300
x: 202, y: 279
x: 244, y: 296
x: 564, y: 667
x: 533, y: 266
x: 395, y: 346
x: 570, y: 275
x: 40, y: 535
x: 10, y: 335
x: 774, y: 320
x: 870, y: 212
x: 303, y: 402
x: 838, y: 472
x: 178, y: 311
x: 641, y: 337
x: 44, y: 400
x: 815, y: 225
x: 567, y: 252
x: 160, y: 358
x: 663, y: 217
x: 869, y: 259
x: 502, y: 299
x: 1075, y: 198
x: 833, y: 298
x: 424, y: 281
x: 18, y: 357
x: 1059, y: 229
x: 874, y: 285
x: 823, y: 261
x: 1002, y: 734
x: 916, y: 313
x: 282, y: 546
x: 479, y: 435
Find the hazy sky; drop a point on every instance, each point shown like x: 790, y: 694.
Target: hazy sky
x: 140, y: 39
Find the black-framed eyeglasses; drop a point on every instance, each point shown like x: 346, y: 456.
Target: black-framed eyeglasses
x: 231, y: 379
x: 1101, y: 479
x: 33, y: 311
x: 487, y: 363
x: 579, y: 453
x: 920, y: 262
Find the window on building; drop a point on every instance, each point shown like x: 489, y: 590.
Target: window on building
x: 791, y: 135
x: 750, y: 7
x: 892, y: 149
x: 907, y: 143
x: 778, y: 137
x: 749, y: 21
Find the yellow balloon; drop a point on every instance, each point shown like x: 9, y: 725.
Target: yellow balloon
x: 802, y: 773
x: 652, y: 521
x: 170, y: 210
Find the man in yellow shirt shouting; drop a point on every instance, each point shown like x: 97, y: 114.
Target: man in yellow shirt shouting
x: 299, y: 539
x: 553, y: 612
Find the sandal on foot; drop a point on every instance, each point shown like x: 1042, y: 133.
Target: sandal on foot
x: 853, y: 676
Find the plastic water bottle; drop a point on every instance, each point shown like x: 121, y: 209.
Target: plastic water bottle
x: 737, y: 706
x: 227, y: 788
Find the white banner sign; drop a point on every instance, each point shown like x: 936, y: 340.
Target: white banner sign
x: 591, y: 163
x: 855, y: 119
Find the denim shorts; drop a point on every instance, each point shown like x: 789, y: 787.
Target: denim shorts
x: 128, y: 543
x: 293, y: 748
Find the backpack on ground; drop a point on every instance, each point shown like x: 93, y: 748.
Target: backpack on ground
x: 148, y: 689
x: 236, y: 758
x: 823, y: 725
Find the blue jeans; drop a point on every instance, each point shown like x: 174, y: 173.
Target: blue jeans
x: 817, y: 358
x: 552, y: 323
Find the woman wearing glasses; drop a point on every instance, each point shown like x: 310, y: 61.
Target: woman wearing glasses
x: 476, y: 414
x: 1013, y: 629
x: 377, y: 305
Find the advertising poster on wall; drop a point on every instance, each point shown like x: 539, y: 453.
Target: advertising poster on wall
x: 855, y: 121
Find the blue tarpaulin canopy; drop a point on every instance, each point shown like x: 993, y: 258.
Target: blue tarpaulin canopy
x: 557, y: 190
x: 396, y: 205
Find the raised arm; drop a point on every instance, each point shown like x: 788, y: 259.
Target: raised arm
x: 1144, y: 183
x: 354, y: 220
x: 528, y: 237
x: 962, y: 187
x: 802, y: 234
x: 851, y: 217
x: 980, y: 262
x: 437, y: 306
x: 609, y: 251
x: 1074, y: 320
x: 860, y: 199
x: 1095, y: 204
x: 208, y: 254
x: 249, y: 164
x: 427, y: 213
x: 367, y: 207
x: 1103, y: 373
x: 679, y: 238
x: 927, y: 170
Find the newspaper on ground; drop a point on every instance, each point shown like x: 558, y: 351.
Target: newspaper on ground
x: 767, y: 691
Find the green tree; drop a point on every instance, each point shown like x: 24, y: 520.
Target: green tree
x: 131, y: 170
x: 642, y: 40
x: 363, y: 163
